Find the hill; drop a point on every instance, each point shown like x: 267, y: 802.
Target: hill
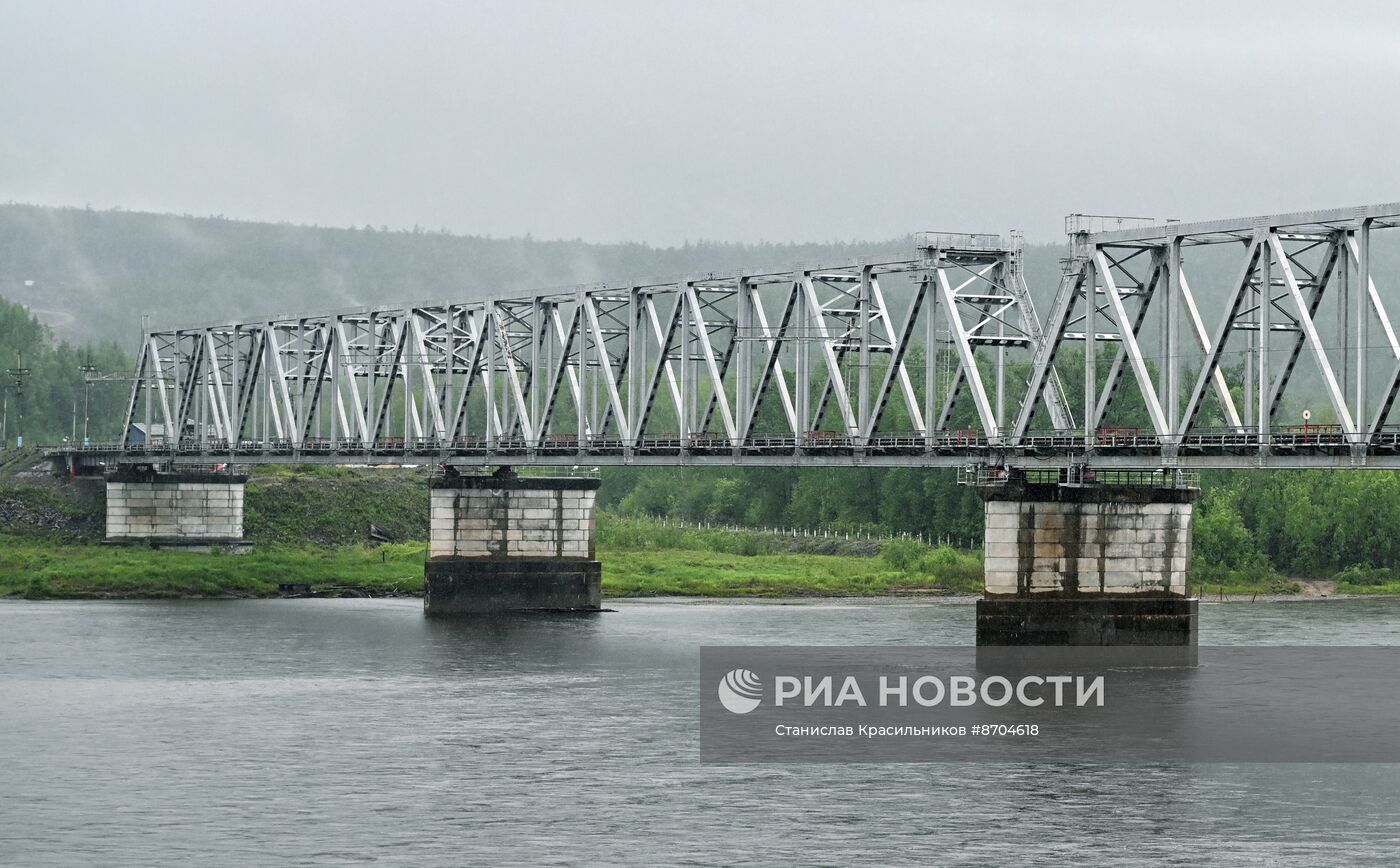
x: 89, y: 275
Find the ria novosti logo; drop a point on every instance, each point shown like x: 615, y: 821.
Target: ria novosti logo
x: 740, y: 691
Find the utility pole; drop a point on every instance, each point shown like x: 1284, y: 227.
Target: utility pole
x: 88, y: 369
x: 17, y: 374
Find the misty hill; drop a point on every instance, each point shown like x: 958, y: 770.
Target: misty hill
x: 90, y: 275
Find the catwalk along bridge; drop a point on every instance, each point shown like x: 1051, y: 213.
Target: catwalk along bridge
x: 1258, y: 342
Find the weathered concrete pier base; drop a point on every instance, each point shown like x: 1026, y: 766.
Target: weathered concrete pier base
x: 1086, y: 565
x: 512, y: 544
x: 175, y: 510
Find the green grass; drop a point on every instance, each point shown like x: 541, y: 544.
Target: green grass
x: 636, y: 562
x: 1210, y: 580
x: 334, y: 506
x: 642, y: 557
x: 38, y: 570
x: 1368, y: 580
x: 1245, y: 587
x: 310, y: 525
x: 715, y: 574
x: 1383, y: 589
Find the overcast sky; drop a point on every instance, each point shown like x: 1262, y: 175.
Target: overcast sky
x: 662, y: 122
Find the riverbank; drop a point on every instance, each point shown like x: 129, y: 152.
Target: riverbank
x: 41, y: 570
x: 322, y: 529
x: 45, y: 570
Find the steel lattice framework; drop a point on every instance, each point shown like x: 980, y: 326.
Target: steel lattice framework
x: 938, y: 359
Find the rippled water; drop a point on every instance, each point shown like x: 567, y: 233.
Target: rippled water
x: 333, y: 731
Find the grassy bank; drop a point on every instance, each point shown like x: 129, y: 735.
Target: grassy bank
x: 640, y: 558
x: 1362, y: 580
x: 41, y: 570
x: 1243, y: 584
x: 334, y: 506
x: 643, y: 558
x: 311, y: 526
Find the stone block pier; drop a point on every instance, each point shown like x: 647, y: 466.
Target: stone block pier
x: 1086, y: 565
x: 179, y: 510
x: 505, y: 543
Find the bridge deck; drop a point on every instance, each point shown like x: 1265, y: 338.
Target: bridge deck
x: 1225, y: 449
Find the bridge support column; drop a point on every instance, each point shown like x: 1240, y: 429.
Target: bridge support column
x: 1086, y: 565
x: 505, y: 543
x: 175, y: 510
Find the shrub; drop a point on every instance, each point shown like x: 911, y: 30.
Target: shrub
x: 1365, y: 576
x: 752, y: 545
x: 954, y: 569
x: 943, y: 556
x: 902, y: 554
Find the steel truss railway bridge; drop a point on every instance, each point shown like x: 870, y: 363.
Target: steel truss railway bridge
x: 1164, y: 345
x: 1259, y: 342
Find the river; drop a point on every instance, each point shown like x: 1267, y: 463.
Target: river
x: 333, y: 731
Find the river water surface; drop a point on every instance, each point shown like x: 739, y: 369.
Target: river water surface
x: 334, y: 731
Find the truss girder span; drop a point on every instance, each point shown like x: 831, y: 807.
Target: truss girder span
x: 1262, y: 328
x: 913, y: 348
x: 1183, y: 337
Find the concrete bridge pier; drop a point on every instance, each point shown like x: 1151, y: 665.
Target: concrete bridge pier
x: 1086, y: 565
x: 504, y: 543
x: 175, y: 510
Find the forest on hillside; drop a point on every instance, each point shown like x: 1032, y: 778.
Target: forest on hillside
x: 92, y: 274
x: 45, y: 397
